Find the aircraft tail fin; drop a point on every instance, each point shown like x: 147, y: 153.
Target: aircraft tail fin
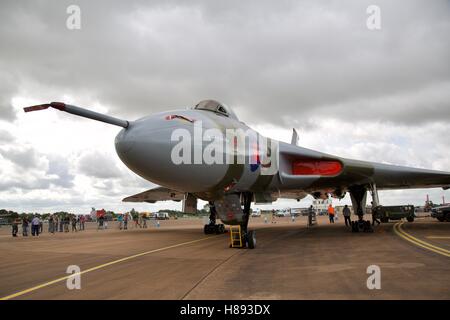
x: 80, y: 112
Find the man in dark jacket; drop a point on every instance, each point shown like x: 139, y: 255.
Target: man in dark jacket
x: 346, y: 212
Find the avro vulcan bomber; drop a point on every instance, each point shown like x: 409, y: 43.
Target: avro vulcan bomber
x: 206, y: 152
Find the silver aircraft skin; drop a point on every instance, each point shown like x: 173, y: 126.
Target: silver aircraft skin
x: 146, y: 147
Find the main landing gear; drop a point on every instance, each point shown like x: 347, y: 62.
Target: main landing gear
x: 212, y: 227
x: 234, y: 210
x: 358, y: 195
x: 248, y: 238
x: 361, y: 226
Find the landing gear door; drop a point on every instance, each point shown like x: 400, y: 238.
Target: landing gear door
x: 229, y: 209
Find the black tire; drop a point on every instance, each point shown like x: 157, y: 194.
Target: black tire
x: 354, y: 226
x: 368, y: 226
x: 447, y: 217
x: 442, y: 219
x: 208, y: 229
x: 384, y: 220
x: 251, y: 239
x: 410, y: 219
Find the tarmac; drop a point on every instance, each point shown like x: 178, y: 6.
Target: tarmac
x: 177, y: 261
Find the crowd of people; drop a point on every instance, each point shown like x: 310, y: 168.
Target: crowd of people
x: 74, y: 223
x: 139, y: 220
x: 56, y: 223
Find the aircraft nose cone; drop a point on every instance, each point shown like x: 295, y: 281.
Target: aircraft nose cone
x: 146, y: 151
x: 146, y: 148
x: 123, y: 142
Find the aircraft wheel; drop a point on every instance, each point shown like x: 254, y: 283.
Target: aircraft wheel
x: 251, y: 239
x: 384, y: 220
x: 208, y: 229
x: 410, y: 219
x: 441, y: 219
x: 367, y: 226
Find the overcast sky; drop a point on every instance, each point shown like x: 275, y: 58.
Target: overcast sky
x: 379, y: 95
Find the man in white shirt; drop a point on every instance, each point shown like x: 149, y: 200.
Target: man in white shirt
x: 35, y: 226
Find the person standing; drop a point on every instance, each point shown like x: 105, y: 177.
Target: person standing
x: 120, y: 220
x: 61, y: 223
x: 50, y: 225
x: 74, y: 224
x: 144, y: 220
x: 136, y: 220
x: 35, y: 225
x: 346, y: 212
x: 66, y: 223
x: 125, y: 221
x: 25, y: 224
x: 55, y: 223
x: 331, y: 213
x: 100, y: 223
x: 82, y: 220
x: 15, y: 227
x: 311, y: 214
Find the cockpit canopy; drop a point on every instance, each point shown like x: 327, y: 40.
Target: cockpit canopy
x: 217, y: 107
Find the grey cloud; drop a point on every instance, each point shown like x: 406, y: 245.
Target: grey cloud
x: 26, y: 158
x: 59, y: 166
x: 424, y: 105
x: 29, y: 183
x: 7, y: 91
x: 6, y: 110
x: 31, y: 170
x: 6, y: 137
x: 289, y: 63
x: 287, y: 58
x: 96, y: 164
